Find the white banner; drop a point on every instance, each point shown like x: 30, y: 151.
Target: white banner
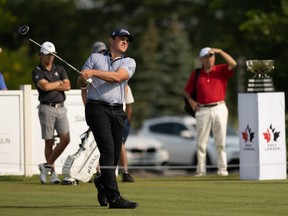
x: 76, y: 117
x: 11, y: 133
x: 262, y: 135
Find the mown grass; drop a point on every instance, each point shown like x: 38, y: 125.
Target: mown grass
x: 157, y: 196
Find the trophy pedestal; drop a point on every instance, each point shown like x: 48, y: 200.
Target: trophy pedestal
x: 262, y: 138
x: 260, y: 85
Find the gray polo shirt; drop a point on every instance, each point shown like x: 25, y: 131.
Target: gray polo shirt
x: 110, y: 92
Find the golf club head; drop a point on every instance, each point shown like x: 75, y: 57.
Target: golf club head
x: 23, y: 30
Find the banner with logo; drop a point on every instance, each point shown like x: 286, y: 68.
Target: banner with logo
x: 11, y: 133
x: 77, y: 124
x: 262, y: 136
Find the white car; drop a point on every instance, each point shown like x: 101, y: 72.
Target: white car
x: 178, y: 136
x: 146, y: 152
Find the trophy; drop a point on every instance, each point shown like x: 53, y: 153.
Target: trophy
x: 260, y: 82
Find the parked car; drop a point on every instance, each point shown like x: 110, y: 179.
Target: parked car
x: 178, y: 136
x: 146, y: 152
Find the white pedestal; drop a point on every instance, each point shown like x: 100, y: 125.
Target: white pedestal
x: 262, y: 136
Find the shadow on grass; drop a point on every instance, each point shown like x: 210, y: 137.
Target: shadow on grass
x: 52, y: 207
x: 193, y: 178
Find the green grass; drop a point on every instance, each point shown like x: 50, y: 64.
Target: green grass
x: 163, y: 196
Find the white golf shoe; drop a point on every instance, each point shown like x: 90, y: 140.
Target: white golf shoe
x: 222, y: 173
x: 54, y: 178
x: 69, y: 181
x: 200, y: 174
x: 44, y: 170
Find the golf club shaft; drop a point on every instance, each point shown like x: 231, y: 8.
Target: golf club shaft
x: 55, y: 56
x: 89, y: 80
x: 23, y: 31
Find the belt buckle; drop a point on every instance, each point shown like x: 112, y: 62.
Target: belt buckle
x: 58, y: 105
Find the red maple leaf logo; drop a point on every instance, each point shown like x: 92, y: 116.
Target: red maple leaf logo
x: 267, y: 135
x: 245, y: 135
x: 248, y: 134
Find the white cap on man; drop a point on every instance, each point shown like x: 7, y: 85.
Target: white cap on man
x: 47, y: 47
x: 205, y: 51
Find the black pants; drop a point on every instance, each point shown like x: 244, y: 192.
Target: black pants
x: 107, y: 124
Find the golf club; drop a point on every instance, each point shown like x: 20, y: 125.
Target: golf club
x: 23, y: 31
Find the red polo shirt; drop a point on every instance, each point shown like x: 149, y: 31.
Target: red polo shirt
x: 210, y: 87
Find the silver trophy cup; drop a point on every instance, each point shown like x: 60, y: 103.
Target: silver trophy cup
x: 260, y: 82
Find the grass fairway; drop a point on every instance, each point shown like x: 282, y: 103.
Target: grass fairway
x: 157, y: 196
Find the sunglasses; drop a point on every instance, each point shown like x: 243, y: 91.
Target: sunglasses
x: 209, y: 55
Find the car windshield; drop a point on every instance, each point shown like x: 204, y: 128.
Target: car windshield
x: 170, y: 128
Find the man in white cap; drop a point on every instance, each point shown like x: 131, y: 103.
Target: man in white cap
x: 51, y: 81
x: 210, y: 107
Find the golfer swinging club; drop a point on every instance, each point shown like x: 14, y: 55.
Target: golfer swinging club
x: 104, y: 112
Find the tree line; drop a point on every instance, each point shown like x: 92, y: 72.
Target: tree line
x: 168, y: 36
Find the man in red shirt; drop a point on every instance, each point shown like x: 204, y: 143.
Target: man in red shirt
x: 210, y: 107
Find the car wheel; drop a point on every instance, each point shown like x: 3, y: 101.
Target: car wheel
x: 161, y: 169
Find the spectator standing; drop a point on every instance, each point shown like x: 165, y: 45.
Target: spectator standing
x: 210, y: 107
x: 129, y: 100
x: 2, y: 80
x: 99, y: 47
x: 51, y: 81
x: 104, y: 112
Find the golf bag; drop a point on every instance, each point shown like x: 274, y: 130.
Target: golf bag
x: 82, y: 165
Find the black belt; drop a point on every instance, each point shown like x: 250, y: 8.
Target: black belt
x: 56, y: 105
x: 111, y: 105
x: 210, y: 105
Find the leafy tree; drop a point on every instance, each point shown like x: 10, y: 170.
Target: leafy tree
x: 145, y: 80
x: 176, y: 64
x: 15, y: 72
x: 166, y: 47
x: 265, y: 29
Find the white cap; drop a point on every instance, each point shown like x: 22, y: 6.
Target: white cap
x: 205, y: 51
x: 98, y: 47
x: 47, y: 47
